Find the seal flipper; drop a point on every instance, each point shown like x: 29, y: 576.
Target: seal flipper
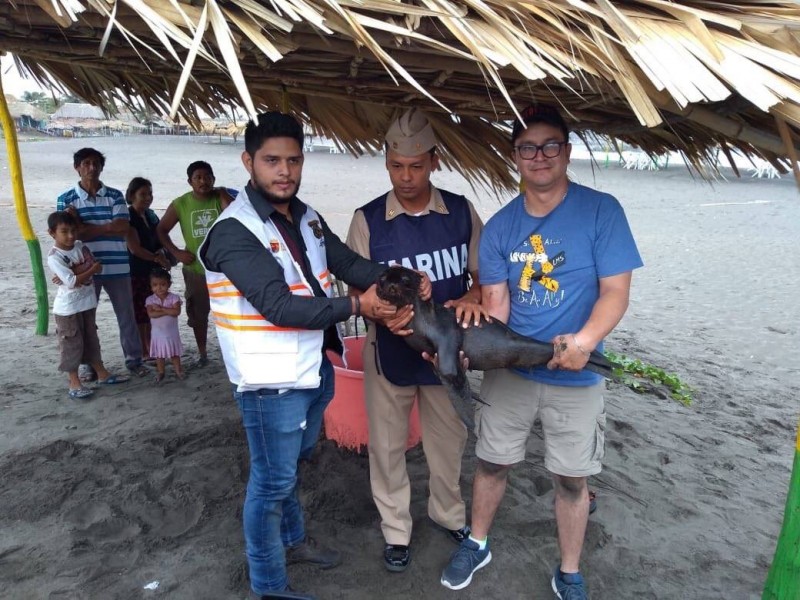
x: 453, y: 377
x: 460, y: 394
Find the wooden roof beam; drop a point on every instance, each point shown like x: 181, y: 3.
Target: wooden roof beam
x: 406, y: 57
x: 728, y: 127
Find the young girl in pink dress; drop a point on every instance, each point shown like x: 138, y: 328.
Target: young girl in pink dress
x: 163, y: 308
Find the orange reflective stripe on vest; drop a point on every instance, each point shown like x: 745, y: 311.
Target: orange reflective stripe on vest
x: 324, y: 280
x: 222, y: 289
x: 229, y: 290
x: 247, y: 322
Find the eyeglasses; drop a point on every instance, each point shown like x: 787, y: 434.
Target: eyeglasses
x: 549, y: 150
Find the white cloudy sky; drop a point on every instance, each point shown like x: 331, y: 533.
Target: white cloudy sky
x: 13, y: 83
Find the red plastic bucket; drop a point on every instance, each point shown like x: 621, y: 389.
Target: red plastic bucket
x: 346, y: 415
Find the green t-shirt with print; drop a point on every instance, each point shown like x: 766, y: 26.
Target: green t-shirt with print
x: 196, y: 217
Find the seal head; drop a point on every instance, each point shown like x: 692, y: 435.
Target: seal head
x: 399, y: 286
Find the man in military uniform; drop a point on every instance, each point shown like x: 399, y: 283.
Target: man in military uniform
x: 437, y: 232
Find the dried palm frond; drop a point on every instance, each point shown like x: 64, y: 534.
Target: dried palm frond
x: 690, y: 76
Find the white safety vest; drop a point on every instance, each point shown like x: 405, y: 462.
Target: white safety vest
x: 257, y: 353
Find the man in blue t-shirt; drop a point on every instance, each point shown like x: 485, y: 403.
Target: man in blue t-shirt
x: 555, y: 264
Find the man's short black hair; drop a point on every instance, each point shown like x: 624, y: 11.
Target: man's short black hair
x: 198, y: 164
x: 540, y: 113
x: 60, y: 217
x: 85, y: 153
x: 270, y: 125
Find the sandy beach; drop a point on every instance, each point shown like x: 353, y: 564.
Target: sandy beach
x: 145, y: 484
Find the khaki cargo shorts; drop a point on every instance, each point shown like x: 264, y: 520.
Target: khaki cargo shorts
x: 77, y: 340
x: 573, y: 420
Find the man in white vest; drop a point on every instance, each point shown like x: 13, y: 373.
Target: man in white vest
x: 268, y: 258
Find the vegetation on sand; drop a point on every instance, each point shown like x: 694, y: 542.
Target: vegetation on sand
x: 643, y: 378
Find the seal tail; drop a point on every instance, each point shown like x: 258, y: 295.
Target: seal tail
x: 461, y: 396
x: 599, y: 364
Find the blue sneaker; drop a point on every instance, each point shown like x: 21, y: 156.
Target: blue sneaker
x: 568, y: 586
x: 463, y: 564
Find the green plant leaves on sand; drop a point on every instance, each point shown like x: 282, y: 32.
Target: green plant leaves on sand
x: 643, y: 378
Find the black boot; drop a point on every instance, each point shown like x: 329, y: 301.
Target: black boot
x: 310, y: 552
x: 287, y: 593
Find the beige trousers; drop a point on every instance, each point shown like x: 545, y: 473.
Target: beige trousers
x: 444, y: 437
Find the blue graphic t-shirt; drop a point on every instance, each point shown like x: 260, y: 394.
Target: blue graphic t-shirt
x: 552, y: 265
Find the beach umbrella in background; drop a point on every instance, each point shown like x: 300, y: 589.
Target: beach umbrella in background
x: 783, y: 581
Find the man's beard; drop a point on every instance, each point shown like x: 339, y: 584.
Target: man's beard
x: 272, y: 198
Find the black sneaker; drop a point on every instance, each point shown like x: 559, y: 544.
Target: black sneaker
x: 459, y: 535
x: 396, y: 557
x: 310, y: 552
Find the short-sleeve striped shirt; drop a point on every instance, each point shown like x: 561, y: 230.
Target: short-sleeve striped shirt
x: 107, y: 205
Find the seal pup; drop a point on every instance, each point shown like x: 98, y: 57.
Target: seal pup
x: 490, y: 345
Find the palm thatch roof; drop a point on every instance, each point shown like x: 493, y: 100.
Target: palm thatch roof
x: 689, y: 76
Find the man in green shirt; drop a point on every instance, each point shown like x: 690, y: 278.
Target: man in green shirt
x: 196, y: 211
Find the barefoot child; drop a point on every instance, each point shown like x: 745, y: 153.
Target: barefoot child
x: 75, y: 304
x: 163, y: 308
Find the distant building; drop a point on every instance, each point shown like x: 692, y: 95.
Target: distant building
x: 26, y: 115
x: 79, y: 112
x: 165, y: 126
x: 74, y: 119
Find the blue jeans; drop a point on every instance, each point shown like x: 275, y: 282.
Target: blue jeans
x: 281, y: 429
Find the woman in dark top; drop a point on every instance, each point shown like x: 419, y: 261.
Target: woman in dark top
x: 145, y: 252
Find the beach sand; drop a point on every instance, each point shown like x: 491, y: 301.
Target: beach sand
x: 145, y: 484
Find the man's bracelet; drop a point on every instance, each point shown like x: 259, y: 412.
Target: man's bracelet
x: 357, y: 312
x: 579, y: 347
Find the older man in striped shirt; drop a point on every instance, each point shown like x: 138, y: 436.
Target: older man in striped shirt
x: 104, y: 218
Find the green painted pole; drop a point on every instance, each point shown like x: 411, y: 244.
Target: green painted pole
x: 783, y: 581
x: 21, y: 207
